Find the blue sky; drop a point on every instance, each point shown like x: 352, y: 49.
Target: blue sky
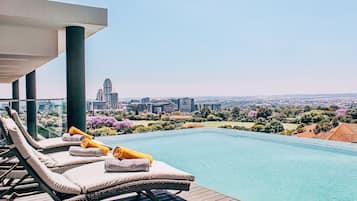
x: 221, y: 47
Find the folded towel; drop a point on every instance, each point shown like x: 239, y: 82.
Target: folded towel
x: 68, y: 137
x: 86, y: 143
x: 73, y: 130
x: 125, y: 153
x: 80, y: 151
x: 127, y: 165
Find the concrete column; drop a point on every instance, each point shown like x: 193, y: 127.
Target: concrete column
x: 15, y: 95
x: 31, y: 110
x: 76, y: 91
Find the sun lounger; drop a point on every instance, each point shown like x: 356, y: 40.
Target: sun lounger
x: 46, y: 145
x: 56, y: 161
x: 91, y: 182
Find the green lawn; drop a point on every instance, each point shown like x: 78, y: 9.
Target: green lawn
x: 243, y: 124
x: 142, y: 122
x: 220, y: 123
x: 232, y: 123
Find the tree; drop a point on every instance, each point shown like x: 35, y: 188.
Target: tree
x: 260, y: 120
x: 264, y: 112
x: 318, y: 118
x: 353, y: 113
x: 306, y: 118
x: 212, y: 117
x: 334, y: 122
x: 326, y: 125
x: 307, y: 108
x: 205, y: 112
x: 323, y: 126
x: 274, y: 127
x: 224, y: 115
x: 235, y: 113
x: 333, y: 108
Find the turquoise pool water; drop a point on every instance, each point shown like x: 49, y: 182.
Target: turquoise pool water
x: 255, y: 167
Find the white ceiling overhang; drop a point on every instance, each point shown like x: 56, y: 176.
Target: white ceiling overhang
x: 32, y: 32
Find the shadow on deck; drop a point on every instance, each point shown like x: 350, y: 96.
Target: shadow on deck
x: 197, y: 193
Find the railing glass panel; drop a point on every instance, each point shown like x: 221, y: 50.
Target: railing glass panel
x: 51, y: 115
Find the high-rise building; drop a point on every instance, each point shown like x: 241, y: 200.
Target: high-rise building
x: 100, y: 95
x: 215, y: 107
x: 145, y: 100
x: 107, y: 87
x: 186, y: 104
x: 114, y: 99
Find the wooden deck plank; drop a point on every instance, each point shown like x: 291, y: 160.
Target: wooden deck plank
x: 196, y: 193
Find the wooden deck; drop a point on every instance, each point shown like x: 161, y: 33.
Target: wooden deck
x: 197, y: 193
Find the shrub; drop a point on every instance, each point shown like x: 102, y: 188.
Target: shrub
x: 103, y: 131
x: 225, y: 126
x: 241, y: 128
x: 257, y: 128
x: 169, y: 127
x: 118, y: 117
x: 142, y: 129
x: 212, y: 117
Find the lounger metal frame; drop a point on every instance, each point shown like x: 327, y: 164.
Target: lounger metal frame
x: 11, y: 187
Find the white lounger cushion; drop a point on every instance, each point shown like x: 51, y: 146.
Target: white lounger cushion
x: 93, y: 177
x: 42, y: 144
x: 64, y: 158
x: 56, y: 142
x: 24, y: 148
x: 56, y: 181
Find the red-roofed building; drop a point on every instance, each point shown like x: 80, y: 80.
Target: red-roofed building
x: 343, y: 132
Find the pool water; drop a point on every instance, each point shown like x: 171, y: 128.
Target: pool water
x: 254, y: 167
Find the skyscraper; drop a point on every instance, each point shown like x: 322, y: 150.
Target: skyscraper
x: 107, y: 87
x: 114, y: 100
x: 100, y: 95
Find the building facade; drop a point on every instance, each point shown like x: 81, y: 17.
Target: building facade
x: 145, y: 100
x: 215, y: 107
x: 96, y: 105
x: 114, y: 99
x: 186, y: 104
x: 100, y: 95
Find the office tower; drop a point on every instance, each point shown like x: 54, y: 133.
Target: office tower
x: 114, y: 100
x: 100, y: 95
x: 107, y: 87
x: 186, y: 104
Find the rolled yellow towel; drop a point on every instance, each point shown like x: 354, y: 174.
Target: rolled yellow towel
x: 90, y: 143
x: 73, y: 130
x: 125, y: 153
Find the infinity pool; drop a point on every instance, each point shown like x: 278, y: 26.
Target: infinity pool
x: 255, y: 167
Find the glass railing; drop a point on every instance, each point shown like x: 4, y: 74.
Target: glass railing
x: 51, y: 115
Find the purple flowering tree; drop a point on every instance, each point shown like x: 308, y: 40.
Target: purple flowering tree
x: 340, y: 113
x: 95, y: 122
x: 121, y: 125
x: 252, y: 114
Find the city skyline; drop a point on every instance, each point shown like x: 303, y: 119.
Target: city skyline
x: 245, y: 49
